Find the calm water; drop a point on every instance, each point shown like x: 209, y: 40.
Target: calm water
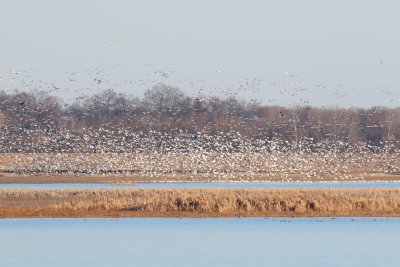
x: 214, y: 185
x: 200, y: 242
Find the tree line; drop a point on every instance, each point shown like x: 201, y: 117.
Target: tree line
x: 39, y: 122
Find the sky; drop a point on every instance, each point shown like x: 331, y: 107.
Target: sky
x: 303, y: 52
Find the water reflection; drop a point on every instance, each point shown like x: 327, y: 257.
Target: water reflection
x: 200, y: 242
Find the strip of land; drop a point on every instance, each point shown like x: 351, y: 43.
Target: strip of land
x: 197, y: 167
x: 334, y: 202
x: 123, y: 179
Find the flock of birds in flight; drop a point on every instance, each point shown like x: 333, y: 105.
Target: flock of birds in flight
x: 197, y: 156
x: 187, y: 155
x: 77, y: 85
x: 213, y: 165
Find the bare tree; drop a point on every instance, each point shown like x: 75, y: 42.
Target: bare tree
x: 165, y: 99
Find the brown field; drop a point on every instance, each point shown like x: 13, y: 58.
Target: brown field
x: 131, y: 168
x: 28, y: 203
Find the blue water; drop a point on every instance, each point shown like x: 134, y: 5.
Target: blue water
x: 214, y: 185
x: 200, y: 242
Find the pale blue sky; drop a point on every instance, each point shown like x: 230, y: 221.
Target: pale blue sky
x: 307, y: 52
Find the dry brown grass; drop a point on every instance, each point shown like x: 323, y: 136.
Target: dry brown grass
x: 199, y: 202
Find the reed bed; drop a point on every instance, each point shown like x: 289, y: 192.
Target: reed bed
x: 333, y: 202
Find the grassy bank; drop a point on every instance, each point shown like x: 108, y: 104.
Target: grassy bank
x: 335, y: 202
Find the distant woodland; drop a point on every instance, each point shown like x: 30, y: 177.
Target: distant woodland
x: 166, y: 120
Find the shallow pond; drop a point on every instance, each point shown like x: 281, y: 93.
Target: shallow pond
x: 200, y: 242
x: 214, y: 185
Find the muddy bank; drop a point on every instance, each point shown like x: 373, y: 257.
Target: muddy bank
x: 335, y: 202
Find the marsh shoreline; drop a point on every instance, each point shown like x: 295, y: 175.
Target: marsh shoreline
x: 85, y: 203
